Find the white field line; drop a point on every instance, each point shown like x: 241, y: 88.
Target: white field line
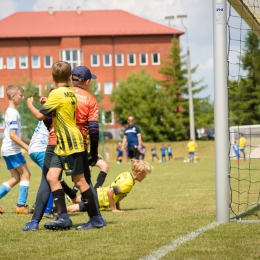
x: 162, y: 251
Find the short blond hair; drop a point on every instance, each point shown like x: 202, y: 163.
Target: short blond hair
x: 13, y: 89
x: 141, y: 166
x: 61, y: 71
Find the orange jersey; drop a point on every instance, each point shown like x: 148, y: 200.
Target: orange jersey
x: 52, y: 136
x: 86, y: 110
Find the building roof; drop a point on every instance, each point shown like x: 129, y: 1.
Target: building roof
x: 79, y: 23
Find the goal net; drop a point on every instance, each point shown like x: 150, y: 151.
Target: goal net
x: 243, y: 31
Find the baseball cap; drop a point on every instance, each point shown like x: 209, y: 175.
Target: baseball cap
x: 82, y: 73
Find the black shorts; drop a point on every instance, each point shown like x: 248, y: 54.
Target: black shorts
x: 71, y: 164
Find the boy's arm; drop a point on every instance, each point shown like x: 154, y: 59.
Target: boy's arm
x: 34, y: 110
x: 17, y: 140
x: 25, y: 139
x: 110, y: 194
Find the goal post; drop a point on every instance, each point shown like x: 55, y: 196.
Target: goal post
x: 237, y: 181
x: 221, y: 111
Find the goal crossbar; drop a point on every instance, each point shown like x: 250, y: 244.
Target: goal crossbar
x: 249, y: 13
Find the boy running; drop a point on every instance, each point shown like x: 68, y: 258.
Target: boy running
x: 11, y: 150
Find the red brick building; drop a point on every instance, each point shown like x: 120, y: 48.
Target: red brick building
x: 111, y: 43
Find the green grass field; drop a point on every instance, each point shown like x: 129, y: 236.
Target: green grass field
x: 175, y: 200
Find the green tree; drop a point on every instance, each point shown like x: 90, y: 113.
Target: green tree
x: 140, y: 96
x: 176, y: 93
x: 244, y: 94
x: 29, y: 122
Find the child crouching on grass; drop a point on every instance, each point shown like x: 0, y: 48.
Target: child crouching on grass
x: 112, y: 195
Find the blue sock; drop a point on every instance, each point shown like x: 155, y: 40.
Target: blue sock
x: 49, y: 204
x: 23, y: 193
x: 4, y: 189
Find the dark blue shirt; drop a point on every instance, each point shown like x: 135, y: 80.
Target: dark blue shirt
x: 131, y: 133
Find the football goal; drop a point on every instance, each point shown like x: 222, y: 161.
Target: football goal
x: 236, y: 25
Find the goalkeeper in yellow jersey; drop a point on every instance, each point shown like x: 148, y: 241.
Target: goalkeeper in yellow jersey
x: 112, y: 195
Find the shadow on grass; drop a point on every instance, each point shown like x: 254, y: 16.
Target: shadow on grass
x: 138, y: 209
x: 251, y: 212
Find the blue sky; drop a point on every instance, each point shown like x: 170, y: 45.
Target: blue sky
x: 198, y: 23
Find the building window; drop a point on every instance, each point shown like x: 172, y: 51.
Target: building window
x: 108, y: 88
x: 94, y: 60
x: 108, y: 118
x: 47, y: 61
x: 107, y: 61
x: 39, y: 87
x: 1, y: 63
x: 143, y: 58
x: 119, y: 59
x: 73, y: 57
x: 131, y: 59
x: 11, y: 62
x: 1, y: 91
x: 36, y: 62
x: 155, y: 58
x: 23, y: 62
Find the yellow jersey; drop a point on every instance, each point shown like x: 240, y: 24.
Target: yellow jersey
x: 191, y: 146
x: 122, y: 185
x: 242, y: 142
x: 62, y: 103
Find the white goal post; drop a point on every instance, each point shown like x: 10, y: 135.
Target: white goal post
x: 249, y: 11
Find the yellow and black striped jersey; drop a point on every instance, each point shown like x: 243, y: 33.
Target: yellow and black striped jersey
x: 122, y: 185
x: 62, y: 103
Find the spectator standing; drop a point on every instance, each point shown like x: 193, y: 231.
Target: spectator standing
x: 236, y: 150
x: 242, y: 144
x: 119, y: 153
x: 169, y: 150
x: 191, y: 150
x: 132, y: 137
x: 163, y: 153
x: 142, y: 151
x: 153, y: 151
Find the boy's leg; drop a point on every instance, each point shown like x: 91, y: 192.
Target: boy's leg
x: 62, y: 221
x: 15, y: 176
x: 77, y: 163
x: 43, y: 193
x: 87, y: 197
x: 23, y: 189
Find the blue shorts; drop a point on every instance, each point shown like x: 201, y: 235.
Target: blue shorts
x: 14, y: 161
x: 191, y: 153
x: 242, y: 150
x: 38, y: 158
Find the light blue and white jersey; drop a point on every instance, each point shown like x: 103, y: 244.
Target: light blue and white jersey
x: 12, y: 121
x: 39, y: 139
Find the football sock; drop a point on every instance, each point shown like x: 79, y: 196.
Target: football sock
x: 68, y: 190
x: 49, y: 204
x: 100, y: 179
x: 89, y: 201
x: 4, y: 189
x: 59, y: 201
x: 23, y: 193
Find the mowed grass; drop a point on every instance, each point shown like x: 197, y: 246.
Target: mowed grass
x: 176, y: 199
